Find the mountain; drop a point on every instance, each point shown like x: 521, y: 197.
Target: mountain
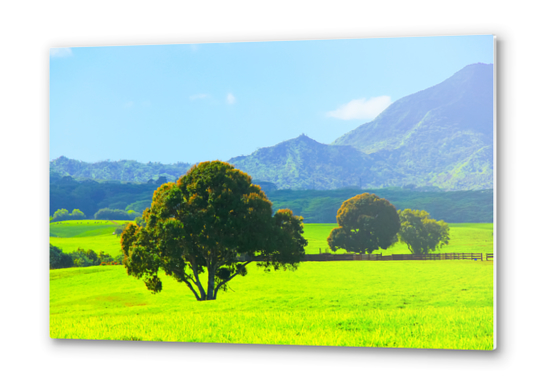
x: 124, y: 170
x: 441, y: 136
x: 303, y: 163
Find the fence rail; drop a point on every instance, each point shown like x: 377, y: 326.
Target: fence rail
x: 407, y: 256
x: 430, y: 256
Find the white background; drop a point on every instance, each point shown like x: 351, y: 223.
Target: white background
x: 29, y: 29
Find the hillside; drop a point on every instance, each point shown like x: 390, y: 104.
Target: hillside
x: 303, y: 163
x: 441, y: 136
x: 316, y: 206
x: 123, y: 170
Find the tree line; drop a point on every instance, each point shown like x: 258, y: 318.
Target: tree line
x: 321, y: 206
x: 79, y: 258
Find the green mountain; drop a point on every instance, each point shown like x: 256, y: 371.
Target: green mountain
x: 124, y: 170
x: 440, y: 137
x: 303, y: 163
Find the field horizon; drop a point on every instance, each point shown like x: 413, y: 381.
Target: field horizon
x: 98, y: 236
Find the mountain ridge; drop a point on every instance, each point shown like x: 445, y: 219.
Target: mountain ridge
x: 438, y: 137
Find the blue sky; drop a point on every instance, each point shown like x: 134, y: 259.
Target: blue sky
x: 192, y: 103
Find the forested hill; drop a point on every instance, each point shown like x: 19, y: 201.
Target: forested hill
x: 315, y: 206
x: 123, y: 170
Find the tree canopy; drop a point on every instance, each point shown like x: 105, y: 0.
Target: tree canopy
x: 63, y: 215
x: 212, y: 220
x: 366, y: 223
x: 421, y: 233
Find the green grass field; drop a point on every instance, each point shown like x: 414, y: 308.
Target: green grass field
x: 404, y: 304
x: 465, y: 237
x: 87, y: 234
x: 97, y: 235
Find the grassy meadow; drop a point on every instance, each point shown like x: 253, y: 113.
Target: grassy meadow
x: 87, y: 234
x: 97, y: 235
x: 404, y: 304
x: 464, y: 237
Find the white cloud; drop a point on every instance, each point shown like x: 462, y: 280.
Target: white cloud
x: 361, y: 108
x: 199, y: 96
x: 128, y: 104
x: 230, y: 99
x: 60, y: 52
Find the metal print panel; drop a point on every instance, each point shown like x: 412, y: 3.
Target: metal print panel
x: 329, y: 193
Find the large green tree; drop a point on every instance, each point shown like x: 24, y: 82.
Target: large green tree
x: 421, y: 233
x: 212, y: 220
x: 366, y: 223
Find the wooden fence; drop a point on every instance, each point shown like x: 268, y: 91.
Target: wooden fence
x: 430, y: 256
x: 407, y: 256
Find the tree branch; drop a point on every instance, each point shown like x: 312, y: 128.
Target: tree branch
x: 229, y: 278
x: 192, y: 289
x: 192, y: 261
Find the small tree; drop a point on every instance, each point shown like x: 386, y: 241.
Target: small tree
x: 215, y: 220
x: 59, y: 259
x: 77, y: 215
x: 421, y: 233
x: 366, y: 223
x: 61, y: 215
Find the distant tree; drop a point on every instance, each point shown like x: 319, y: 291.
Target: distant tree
x: 61, y: 215
x: 161, y: 180
x: 77, y: 215
x: 215, y: 220
x: 111, y: 214
x: 120, y: 229
x: 366, y: 223
x: 82, y: 258
x: 421, y: 233
x: 133, y: 214
x: 59, y: 259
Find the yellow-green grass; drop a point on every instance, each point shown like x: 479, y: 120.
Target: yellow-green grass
x: 464, y: 237
x: 405, y: 304
x: 97, y: 235
x: 87, y: 234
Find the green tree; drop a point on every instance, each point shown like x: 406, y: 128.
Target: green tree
x: 111, y: 214
x: 132, y: 214
x: 59, y: 259
x: 421, y: 233
x: 77, y: 215
x: 61, y: 215
x: 215, y: 220
x: 366, y: 223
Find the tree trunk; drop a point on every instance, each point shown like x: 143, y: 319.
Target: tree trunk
x: 211, y: 282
